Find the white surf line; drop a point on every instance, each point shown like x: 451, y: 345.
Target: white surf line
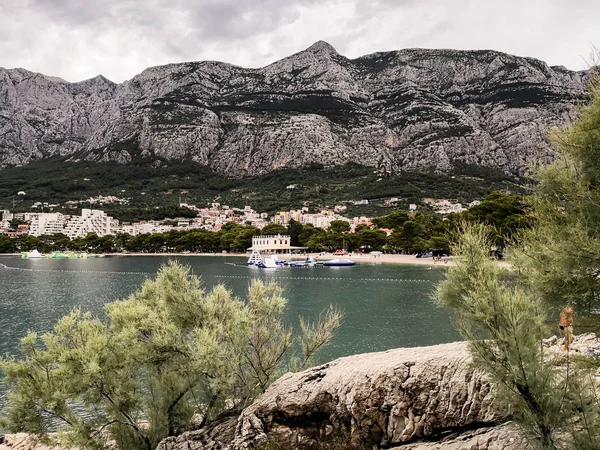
x: 329, y: 278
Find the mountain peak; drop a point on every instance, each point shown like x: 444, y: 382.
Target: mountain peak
x: 322, y: 47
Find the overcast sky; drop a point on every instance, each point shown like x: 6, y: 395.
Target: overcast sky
x: 79, y: 39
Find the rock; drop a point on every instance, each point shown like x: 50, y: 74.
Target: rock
x: 502, y: 437
x: 382, y: 399
x: 580, y: 344
x: 403, y: 110
x: 24, y: 441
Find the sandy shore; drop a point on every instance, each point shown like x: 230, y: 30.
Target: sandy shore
x: 394, y: 259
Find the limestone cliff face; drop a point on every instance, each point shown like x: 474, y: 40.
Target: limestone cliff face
x: 379, y: 400
x: 402, y: 110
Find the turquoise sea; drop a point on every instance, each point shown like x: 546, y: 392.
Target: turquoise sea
x: 385, y: 305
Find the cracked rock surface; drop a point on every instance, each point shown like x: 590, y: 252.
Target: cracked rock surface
x: 385, y: 399
x: 402, y: 110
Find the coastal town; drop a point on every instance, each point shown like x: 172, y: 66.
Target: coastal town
x: 269, y: 225
x: 211, y: 218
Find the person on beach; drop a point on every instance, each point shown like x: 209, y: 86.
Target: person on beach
x: 566, y: 325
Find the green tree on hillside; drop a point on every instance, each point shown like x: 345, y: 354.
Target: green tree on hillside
x: 393, y: 221
x: 274, y: 229
x: 504, y: 212
x: 339, y: 226
x: 169, y: 351
x: 295, y: 228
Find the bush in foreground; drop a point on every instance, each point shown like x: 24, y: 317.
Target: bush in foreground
x: 169, y: 352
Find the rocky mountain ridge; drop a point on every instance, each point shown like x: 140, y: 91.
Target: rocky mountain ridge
x: 402, y: 110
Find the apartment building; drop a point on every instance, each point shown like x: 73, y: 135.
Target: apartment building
x: 5, y: 214
x: 46, y: 223
x: 90, y: 221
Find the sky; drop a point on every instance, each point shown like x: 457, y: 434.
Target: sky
x: 79, y: 39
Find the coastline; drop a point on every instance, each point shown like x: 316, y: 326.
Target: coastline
x: 359, y: 259
x: 365, y: 258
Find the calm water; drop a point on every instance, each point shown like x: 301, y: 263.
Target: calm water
x: 385, y: 306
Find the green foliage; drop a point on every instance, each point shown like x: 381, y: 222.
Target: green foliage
x: 273, y: 229
x: 555, y: 262
x: 562, y: 253
x: 503, y: 321
x: 504, y: 212
x: 339, y: 226
x: 295, y: 229
x: 414, y: 233
x: 169, y: 351
x: 155, y: 192
x: 394, y: 220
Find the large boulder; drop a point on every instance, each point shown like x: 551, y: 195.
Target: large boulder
x: 380, y: 399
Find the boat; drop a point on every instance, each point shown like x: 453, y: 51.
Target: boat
x: 297, y: 264
x: 308, y: 262
x: 31, y: 255
x: 338, y: 262
x: 268, y: 263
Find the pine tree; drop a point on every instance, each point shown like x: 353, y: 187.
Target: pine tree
x: 170, y: 351
x: 556, y: 262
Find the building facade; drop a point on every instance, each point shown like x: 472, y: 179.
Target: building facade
x: 273, y: 244
x: 90, y: 221
x: 47, y: 223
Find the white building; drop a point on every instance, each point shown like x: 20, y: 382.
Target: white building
x: 46, y: 223
x: 321, y: 220
x: 152, y: 226
x: 90, y: 221
x: 273, y: 244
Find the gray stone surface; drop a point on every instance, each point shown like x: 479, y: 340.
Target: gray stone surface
x: 383, y: 399
x: 501, y: 437
x: 401, y: 110
x: 24, y: 441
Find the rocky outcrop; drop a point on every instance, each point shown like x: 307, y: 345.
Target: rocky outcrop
x: 24, y: 441
x: 384, y: 399
x: 402, y: 110
x: 501, y: 437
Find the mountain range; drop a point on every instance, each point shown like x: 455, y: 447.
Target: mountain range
x: 406, y: 110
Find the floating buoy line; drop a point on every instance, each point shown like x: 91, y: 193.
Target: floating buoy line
x: 25, y: 269
x: 391, y: 280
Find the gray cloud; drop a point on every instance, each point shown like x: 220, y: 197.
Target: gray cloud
x: 77, y: 39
